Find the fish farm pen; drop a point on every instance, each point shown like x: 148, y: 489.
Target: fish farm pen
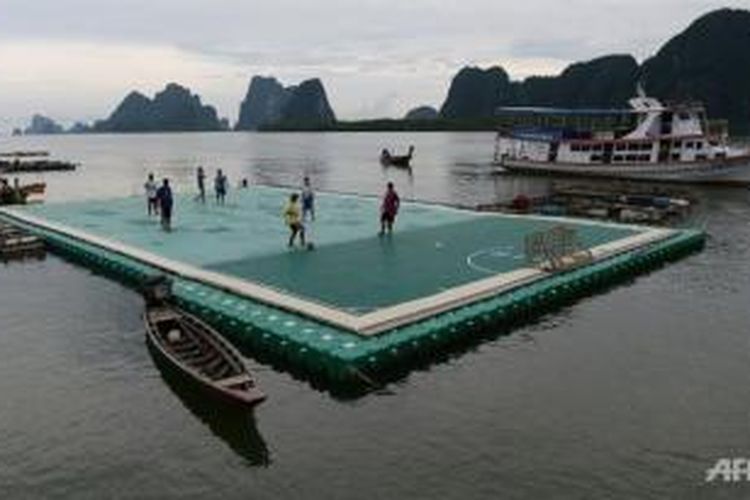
x: 359, y: 307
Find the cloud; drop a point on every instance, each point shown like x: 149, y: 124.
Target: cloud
x: 75, y: 80
x: 77, y: 58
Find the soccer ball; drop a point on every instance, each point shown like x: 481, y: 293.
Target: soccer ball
x: 311, y: 246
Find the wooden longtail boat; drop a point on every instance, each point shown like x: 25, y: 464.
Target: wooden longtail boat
x: 198, y: 351
x: 232, y: 423
x: 403, y: 161
x: 34, y: 188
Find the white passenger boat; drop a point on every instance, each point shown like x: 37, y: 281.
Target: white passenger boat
x: 668, y: 142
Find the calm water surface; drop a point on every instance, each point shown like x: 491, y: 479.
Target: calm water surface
x: 630, y: 394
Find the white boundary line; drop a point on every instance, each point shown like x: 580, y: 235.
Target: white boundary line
x: 473, y: 213
x: 367, y: 324
x: 470, y: 259
x: 414, y: 310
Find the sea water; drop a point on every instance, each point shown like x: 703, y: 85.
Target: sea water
x: 633, y: 393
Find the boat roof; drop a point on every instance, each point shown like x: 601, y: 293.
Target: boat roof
x: 540, y: 110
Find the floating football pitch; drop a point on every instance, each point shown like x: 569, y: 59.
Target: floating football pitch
x: 358, y: 293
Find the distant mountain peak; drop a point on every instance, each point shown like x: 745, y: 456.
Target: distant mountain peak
x: 269, y: 103
x: 42, y: 125
x: 708, y: 61
x: 173, y: 109
x: 475, y: 93
x: 422, y: 113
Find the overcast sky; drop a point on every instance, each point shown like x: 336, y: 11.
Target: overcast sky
x: 76, y: 59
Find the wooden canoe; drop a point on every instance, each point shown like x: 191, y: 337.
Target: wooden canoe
x: 199, y: 352
x: 232, y: 423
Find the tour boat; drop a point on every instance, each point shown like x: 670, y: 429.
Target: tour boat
x: 667, y: 143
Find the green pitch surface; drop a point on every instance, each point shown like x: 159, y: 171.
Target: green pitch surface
x: 432, y: 248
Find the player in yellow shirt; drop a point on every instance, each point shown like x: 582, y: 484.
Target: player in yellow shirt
x: 293, y: 219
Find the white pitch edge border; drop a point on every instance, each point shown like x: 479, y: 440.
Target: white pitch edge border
x: 367, y: 324
x: 407, y: 312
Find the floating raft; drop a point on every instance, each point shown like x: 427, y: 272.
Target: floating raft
x: 31, y: 166
x: 459, y: 276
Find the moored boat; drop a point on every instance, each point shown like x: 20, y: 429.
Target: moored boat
x: 404, y: 161
x: 667, y: 143
x: 34, y: 188
x: 20, y: 194
x: 232, y: 423
x: 17, y: 243
x: 197, y: 350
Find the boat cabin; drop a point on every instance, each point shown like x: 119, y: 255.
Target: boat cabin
x: 656, y: 133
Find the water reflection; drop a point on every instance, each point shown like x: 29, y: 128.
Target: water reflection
x: 233, y: 424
